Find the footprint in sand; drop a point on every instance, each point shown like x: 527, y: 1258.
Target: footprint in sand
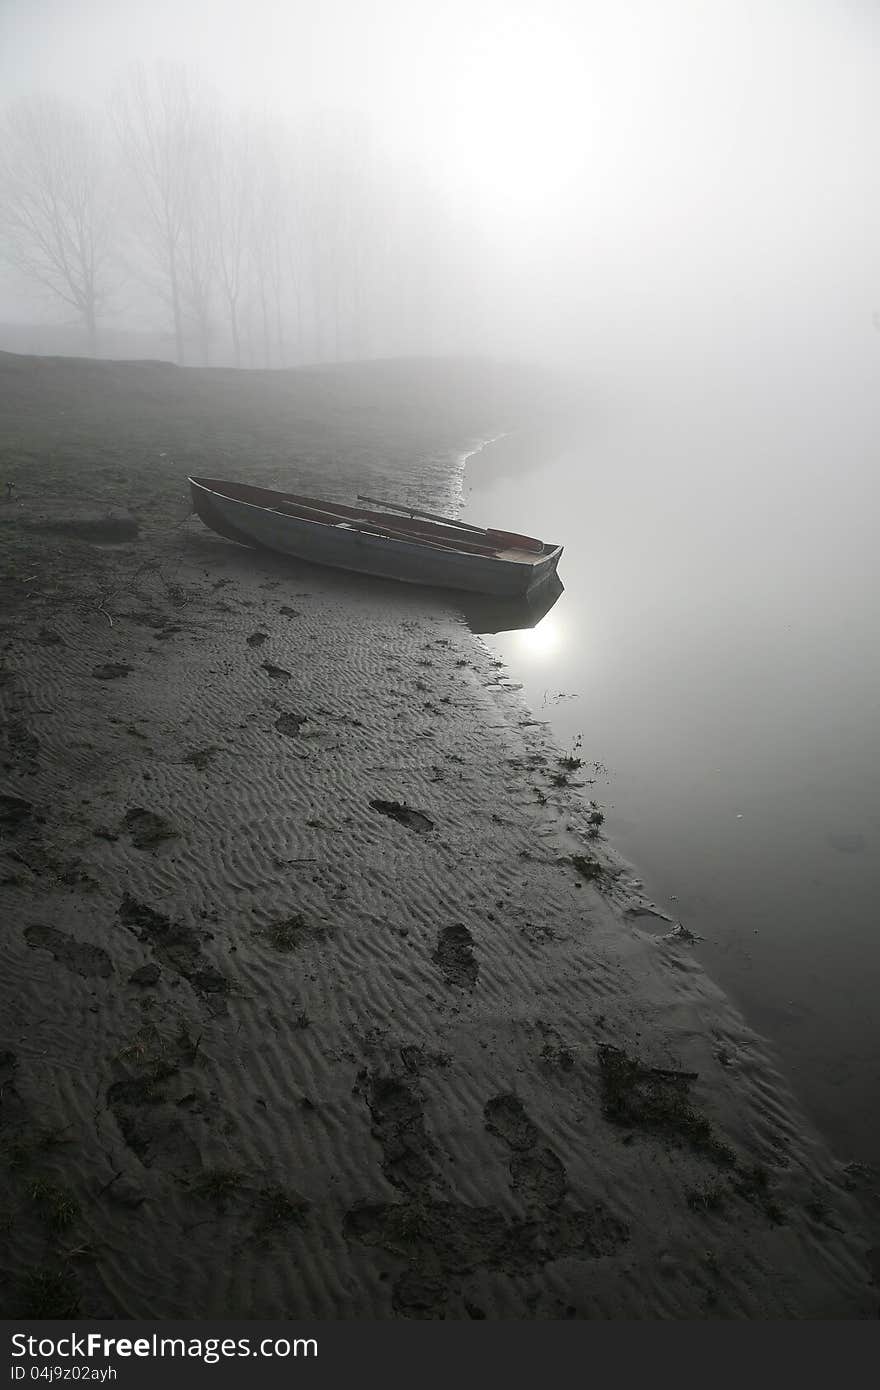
x: 14, y: 811
x: 78, y: 956
x: 536, y: 1174
x: 290, y: 724
x: 147, y: 829
x: 277, y: 673
x: 405, y: 815
x: 455, y: 956
x: 398, y: 1124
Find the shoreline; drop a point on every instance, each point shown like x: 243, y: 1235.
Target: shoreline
x: 324, y: 1000
x: 666, y: 817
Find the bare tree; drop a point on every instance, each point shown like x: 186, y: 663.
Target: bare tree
x: 157, y: 120
x: 231, y: 180
x: 268, y: 237
x: 199, y: 258
x: 55, y: 223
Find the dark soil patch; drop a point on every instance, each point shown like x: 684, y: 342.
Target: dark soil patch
x: 78, y: 956
x: 455, y: 956
x: 112, y: 671
x: 277, y: 673
x: 405, y: 815
x: 145, y: 975
x: 15, y: 812
x: 200, y: 757
x: 22, y: 746
x: 257, y: 639
x: 111, y: 527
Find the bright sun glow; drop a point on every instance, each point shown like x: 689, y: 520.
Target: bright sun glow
x: 512, y: 112
x: 540, y: 641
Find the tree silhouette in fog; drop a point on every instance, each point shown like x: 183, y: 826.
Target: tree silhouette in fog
x: 55, y: 204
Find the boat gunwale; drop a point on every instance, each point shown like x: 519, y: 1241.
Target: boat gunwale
x: 217, y: 487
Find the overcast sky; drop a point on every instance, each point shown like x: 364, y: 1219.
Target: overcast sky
x: 685, y: 158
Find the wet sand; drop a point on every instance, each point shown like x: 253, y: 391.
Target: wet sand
x: 320, y: 996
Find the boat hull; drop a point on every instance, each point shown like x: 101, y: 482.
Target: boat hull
x: 408, y: 562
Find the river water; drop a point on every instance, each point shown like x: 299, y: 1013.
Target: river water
x: 716, y: 649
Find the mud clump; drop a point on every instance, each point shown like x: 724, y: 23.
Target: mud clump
x: 656, y: 1100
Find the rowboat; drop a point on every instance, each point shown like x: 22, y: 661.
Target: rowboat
x: 396, y: 542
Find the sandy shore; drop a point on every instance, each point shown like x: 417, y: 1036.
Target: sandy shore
x: 318, y: 997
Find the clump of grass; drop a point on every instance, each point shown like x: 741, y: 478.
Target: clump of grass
x: 279, y: 1208
x: 706, y: 1198
x: 559, y: 779
x: 657, y: 1101
x: 46, y: 1293
x: 595, y: 821
x: 154, y: 1055
x: 817, y: 1208
x: 287, y: 934
x: 58, y: 1207
x: 217, y: 1185
x: 558, y: 1055
x: 571, y: 761
x: 754, y: 1185
x: 153, y: 1059
x: 18, y: 1153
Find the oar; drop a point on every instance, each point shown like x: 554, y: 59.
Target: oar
x: 369, y: 529
x: 497, y: 538
x: 425, y: 516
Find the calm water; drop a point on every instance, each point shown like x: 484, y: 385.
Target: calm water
x: 717, y: 648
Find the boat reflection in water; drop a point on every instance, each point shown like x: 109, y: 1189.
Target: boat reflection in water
x: 485, y: 615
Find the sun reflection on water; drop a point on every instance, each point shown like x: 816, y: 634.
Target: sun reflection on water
x: 536, y: 643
